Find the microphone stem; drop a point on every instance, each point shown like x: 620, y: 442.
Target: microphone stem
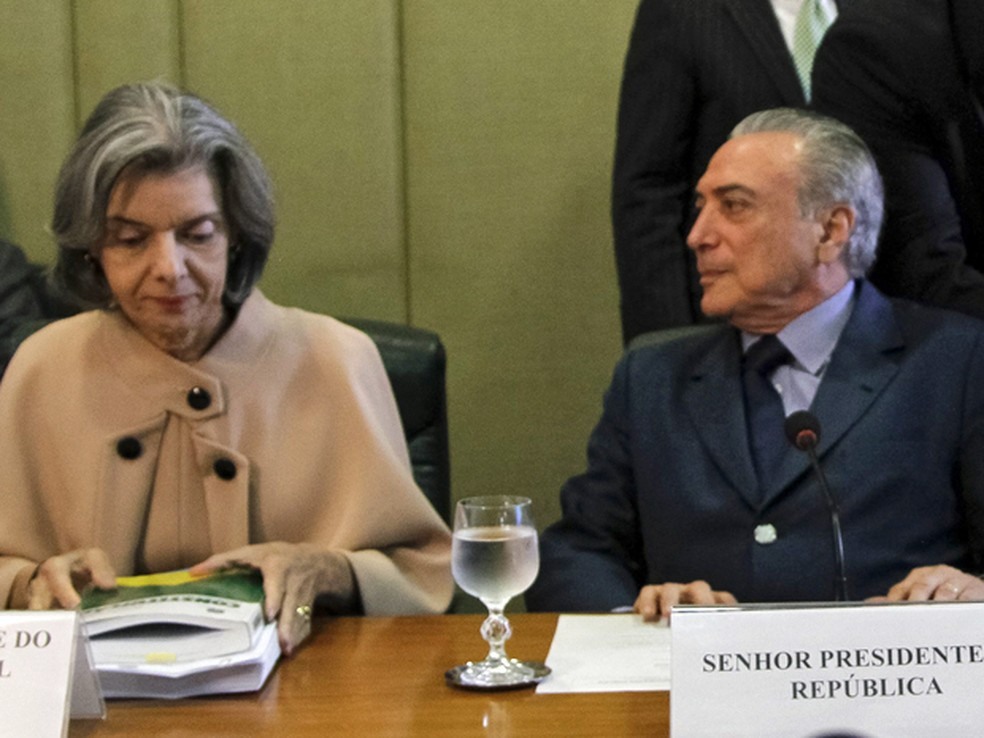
x: 840, y: 581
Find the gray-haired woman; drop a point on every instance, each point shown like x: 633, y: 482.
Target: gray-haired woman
x: 187, y: 421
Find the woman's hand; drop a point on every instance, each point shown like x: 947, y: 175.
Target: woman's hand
x: 293, y: 575
x: 58, y: 581
x: 656, y: 600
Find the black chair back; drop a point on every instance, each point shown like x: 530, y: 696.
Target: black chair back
x: 416, y: 362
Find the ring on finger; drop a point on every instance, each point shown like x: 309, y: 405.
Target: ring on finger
x: 303, y: 612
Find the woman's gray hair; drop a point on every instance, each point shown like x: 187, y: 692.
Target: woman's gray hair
x: 155, y: 128
x: 836, y: 167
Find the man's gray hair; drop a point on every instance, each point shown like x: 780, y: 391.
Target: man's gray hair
x: 836, y: 167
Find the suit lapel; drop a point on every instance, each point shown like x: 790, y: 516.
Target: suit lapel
x: 862, y: 365
x: 757, y: 21
x: 713, y: 398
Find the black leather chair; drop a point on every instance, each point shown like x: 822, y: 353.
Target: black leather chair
x: 668, y: 334
x: 415, y: 362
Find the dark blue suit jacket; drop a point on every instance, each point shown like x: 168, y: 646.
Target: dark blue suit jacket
x: 670, y: 493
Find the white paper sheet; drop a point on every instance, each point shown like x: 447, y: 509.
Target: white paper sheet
x: 608, y: 653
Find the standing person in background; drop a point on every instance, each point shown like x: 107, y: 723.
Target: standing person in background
x: 694, y: 68
x: 908, y: 76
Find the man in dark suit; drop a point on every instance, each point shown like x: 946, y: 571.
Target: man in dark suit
x: 908, y: 76
x: 26, y: 301
x: 681, y: 501
x: 694, y: 68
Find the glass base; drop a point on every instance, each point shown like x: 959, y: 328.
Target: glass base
x: 497, y: 674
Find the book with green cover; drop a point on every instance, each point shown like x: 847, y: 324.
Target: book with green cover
x: 177, y: 635
x: 245, y: 585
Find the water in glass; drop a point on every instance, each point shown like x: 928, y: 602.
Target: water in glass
x: 494, y: 557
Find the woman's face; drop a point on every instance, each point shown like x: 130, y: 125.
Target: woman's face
x: 165, y: 254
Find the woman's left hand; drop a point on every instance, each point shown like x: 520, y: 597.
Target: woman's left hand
x: 293, y: 575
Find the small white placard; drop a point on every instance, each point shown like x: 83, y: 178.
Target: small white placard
x: 823, y: 670
x: 38, y: 652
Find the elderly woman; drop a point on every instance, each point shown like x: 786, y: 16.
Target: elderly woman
x: 188, y: 421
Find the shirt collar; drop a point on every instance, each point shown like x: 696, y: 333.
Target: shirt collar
x: 812, y: 336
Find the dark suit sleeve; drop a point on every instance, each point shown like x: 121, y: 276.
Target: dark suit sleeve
x: 888, y: 70
x: 651, y: 177
x: 21, y: 309
x: 972, y: 458
x: 591, y: 558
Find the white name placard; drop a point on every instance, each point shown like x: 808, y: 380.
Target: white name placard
x: 828, y: 670
x: 38, y: 652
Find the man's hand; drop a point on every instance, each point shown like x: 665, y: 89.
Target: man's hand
x: 939, y: 582
x: 655, y: 600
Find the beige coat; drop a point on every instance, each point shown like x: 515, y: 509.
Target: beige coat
x: 286, y: 430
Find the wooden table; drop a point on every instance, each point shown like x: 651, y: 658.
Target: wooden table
x: 385, y: 677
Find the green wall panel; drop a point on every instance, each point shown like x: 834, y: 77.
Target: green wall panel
x: 122, y: 41
x: 510, y: 112
x: 315, y: 85
x: 37, y: 110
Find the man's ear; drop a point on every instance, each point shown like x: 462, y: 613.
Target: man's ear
x: 837, y: 223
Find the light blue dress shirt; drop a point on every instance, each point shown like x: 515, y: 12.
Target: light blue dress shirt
x: 811, y: 339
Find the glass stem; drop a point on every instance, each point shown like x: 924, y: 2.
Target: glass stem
x: 496, y: 631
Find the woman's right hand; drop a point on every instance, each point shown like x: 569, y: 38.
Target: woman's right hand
x: 57, y: 582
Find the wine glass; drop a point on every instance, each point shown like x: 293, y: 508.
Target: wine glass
x: 494, y: 557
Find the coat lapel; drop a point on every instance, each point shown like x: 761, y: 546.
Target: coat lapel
x: 227, y: 500
x: 713, y: 398
x: 120, y: 510
x: 862, y: 365
x: 757, y: 21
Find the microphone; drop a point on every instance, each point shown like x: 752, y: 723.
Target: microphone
x: 803, y: 431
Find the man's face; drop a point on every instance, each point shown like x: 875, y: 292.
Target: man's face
x: 758, y: 257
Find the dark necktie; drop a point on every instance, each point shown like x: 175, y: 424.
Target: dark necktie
x: 763, y: 405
